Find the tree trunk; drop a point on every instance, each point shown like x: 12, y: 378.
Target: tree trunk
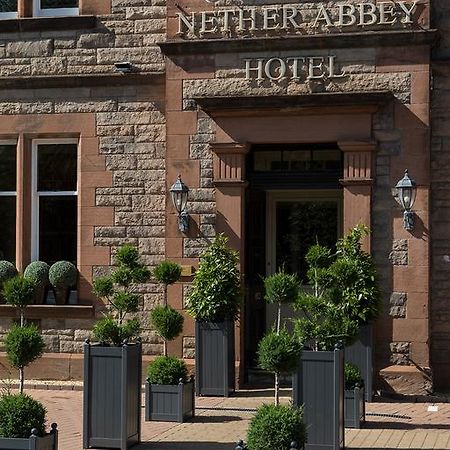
x: 277, y: 390
x: 21, y: 379
x: 165, y: 347
x: 279, y: 318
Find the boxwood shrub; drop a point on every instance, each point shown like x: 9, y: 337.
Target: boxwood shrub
x: 167, y: 370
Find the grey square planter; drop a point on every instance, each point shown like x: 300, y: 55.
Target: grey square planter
x: 112, y: 396
x: 354, y: 407
x: 34, y: 442
x: 360, y: 354
x: 318, y: 385
x: 169, y: 403
x: 214, y: 358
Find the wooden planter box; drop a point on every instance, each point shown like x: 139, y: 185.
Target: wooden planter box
x: 318, y: 385
x: 354, y: 408
x: 112, y: 396
x: 34, y: 442
x: 214, y: 358
x: 169, y: 403
x: 360, y: 354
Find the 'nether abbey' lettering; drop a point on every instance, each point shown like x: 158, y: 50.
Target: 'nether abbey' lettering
x: 291, y: 18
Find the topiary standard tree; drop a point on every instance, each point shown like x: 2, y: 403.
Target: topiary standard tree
x: 118, y: 290
x: 38, y: 272
x: 167, y: 321
x: 278, y: 352
x: 23, y: 344
x: 62, y: 275
x: 7, y: 271
x: 19, y: 292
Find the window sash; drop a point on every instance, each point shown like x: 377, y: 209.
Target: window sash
x: 52, y: 12
x: 37, y: 194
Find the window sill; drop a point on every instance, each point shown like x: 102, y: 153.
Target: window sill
x: 47, y: 23
x: 50, y: 311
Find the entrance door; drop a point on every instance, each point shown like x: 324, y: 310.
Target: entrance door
x: 296, y: 220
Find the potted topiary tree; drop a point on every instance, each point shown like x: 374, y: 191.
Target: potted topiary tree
x: 332, y: 310
x: 22, y: 419
x: 214, y: 303
x: 112, y: 368
x: 278, y: 352
x: 7, y: 271
x: 38, y: 271
x: 63, y: 276
x: 275, y: 427
x: 169, y: 394
x: 354, y: 407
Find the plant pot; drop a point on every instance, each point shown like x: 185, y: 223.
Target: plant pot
x: 61, y: 295
x: 214, y: 358
x: 169, y: 402
x: 34, y: 442
x: 354, y: 407
x: 112, y: 396
x: 40, y: 295
x: 360, y: 354
x: 318, y: 385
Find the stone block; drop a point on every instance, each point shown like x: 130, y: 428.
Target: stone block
x: 29, y: 49
x: 188, y: 347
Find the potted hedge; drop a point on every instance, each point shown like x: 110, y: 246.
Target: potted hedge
x: 169, y: 393
x: 62, y: 276
x: 354, y: 406
x: 38, y: 272
x: 7, y: 271
x: 113, y: 366
x: 214, y: 303
x: 275, y: 427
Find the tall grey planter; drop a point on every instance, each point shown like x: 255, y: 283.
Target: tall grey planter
x: 318, y: 385
x: 34, y: 442
x: 112, y: 396
x: 214, y: 358
x: 168, y: 402
x: 354, y: 407
x: 360, y: 354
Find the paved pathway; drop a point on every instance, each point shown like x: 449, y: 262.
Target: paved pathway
x: 411, y: 427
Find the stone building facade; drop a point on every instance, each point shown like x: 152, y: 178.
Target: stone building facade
x: 216, y: 91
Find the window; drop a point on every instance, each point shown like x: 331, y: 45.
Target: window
x: 48, y: 8
x: 8, y: 9
x: 8, y: 152
x: 54, y: 200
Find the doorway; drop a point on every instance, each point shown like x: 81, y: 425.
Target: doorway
x: 294, y: 200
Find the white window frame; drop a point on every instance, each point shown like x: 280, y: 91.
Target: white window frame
x: 8, y: 15
x: 35, y: 195
x: 10, y: 193
x: 53, y: 12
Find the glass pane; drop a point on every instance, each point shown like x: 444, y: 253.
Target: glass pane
x: 57, y: 167
x: 58, y: 229
x: 52, y: 4
x: 8, y: 228
x: 301, y: 225
x: 8, y: 168
x: 8, y: 6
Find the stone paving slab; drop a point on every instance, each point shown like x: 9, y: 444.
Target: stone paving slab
x: 219, y: 424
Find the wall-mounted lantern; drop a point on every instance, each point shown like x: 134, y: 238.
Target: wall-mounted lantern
x: 406, y: 191
x: 179, y: 192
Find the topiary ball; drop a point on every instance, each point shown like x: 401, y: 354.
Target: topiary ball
x: 63, y: 274
x: 37, y: 271
x: 279, y: 352
x: 167, y: 272
x: 20, y: 413
x: 352, y: 376
x: 167, y: 321
x: 275, y: 427
x: 167, y: 370
x: 7, y: 271
x: 19, y: 291
x: 281, y: 287
x: 23, y: 345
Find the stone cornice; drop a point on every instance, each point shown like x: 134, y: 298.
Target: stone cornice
x: 319, y: 41
x: 77, y: 80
